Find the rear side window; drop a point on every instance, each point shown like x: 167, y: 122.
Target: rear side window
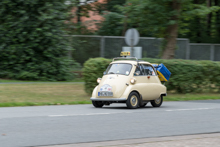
x: 144, y: 70
x: 149, y: 70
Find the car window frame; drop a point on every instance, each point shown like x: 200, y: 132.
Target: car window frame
x: 153, y: 70
x: 142, y: 64
x: 137, y: 66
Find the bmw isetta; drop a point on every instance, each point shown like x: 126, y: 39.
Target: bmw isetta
x: 132, y: 82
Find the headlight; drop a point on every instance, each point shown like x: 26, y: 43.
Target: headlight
x: 133, y: 80
x: 99, y: 80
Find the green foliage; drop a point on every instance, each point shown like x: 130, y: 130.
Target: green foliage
x: 152, y: 17
x: 98, y: 8
x: 85, y: 48
x: 195, y: 25
x: 108, y: 5
x: 93, y: 69
x: 187, y: 75
x: 112, y: 26
x: 76, y: 26
x: 32, y: 46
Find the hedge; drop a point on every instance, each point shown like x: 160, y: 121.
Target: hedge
x: 187, y: 75
x: 94, y: 68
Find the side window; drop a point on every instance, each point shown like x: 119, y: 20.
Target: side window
x: 149, y: 70
x: 139, y: 70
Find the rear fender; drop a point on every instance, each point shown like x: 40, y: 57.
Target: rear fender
x: 163, y: 94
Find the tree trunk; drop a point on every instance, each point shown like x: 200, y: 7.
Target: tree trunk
x: 172, y: 33
x: 197, y: 28
x: 217, y: 18
x: 125, y: 25
x: 170, y: 40
x: 209, y: 18
x: 78, y: 12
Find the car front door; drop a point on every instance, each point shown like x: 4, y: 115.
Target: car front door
x: 147, y: 82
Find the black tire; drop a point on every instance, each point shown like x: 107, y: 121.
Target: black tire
x: 143, y: 105
x: 97, y: 104
x: 133, y: 100
x: 157, y: 102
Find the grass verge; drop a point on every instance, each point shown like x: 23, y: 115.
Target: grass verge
x: 18, y: 81
x: 65, y: 94
x: 192, y: 96
x: 14, y: 104
x: 42, y: 94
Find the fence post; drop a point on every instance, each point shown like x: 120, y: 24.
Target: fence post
x: 212, y: 52
x: 70, y: 48
x: 102, y: 46
x: 187, y: 49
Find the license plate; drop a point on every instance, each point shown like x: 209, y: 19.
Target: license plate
x: 105, y: 93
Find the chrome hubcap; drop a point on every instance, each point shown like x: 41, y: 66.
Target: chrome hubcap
x: 157, y: 101
x: 133, y: 100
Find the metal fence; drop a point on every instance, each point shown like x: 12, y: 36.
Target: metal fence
x: 90, y: 46
x: 203, y: 51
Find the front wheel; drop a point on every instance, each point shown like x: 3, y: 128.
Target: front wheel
x: 97, y: 104
x: 133, y: 100
x: 157, y: 102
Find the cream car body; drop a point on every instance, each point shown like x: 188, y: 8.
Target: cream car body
x: 148, y: 87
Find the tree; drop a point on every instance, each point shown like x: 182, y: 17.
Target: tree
x: 108, y: 5
x: 112, y: 22
x: 204, y: 28
x: 84, y: 8
x: 217, y: 20
x: 164, y: 19
x: 32, y: 45
x: 171, y: 31
x: 216, y: 23
x: 81, y: 9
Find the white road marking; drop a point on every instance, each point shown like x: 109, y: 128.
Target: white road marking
x: 78, y: 114
x: 87, y: 114
x: 190, y: 109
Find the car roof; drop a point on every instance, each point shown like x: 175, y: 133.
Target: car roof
x: 130, y: 62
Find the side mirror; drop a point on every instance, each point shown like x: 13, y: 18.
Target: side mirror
x: 104, y: 73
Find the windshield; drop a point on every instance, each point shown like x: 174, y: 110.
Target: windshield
x: 119, y: 68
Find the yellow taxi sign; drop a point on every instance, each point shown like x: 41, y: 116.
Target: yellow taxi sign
x: 125, y: 54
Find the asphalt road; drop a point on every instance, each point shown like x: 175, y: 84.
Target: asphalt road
x: 50, y: 125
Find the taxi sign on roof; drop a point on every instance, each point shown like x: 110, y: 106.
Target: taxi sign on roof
x: 125, y: 54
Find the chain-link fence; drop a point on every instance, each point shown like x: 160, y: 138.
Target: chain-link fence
x: 90, y: 46
x: 203, y: 51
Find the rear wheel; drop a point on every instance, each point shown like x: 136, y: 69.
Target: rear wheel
x: 157, y: 102
x: 97, y: 104
x: 133, y: 100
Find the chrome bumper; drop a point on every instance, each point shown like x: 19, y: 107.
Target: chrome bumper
x: 108, y: 99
